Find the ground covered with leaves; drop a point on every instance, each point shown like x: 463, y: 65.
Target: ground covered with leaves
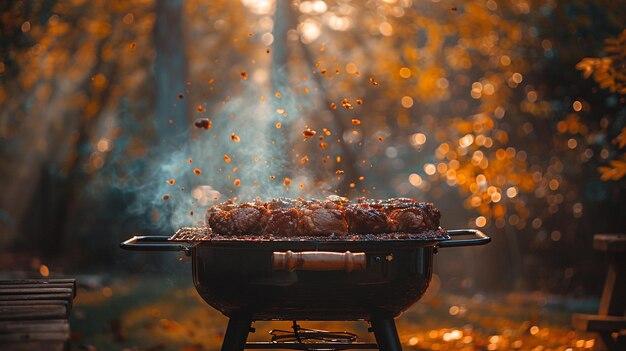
x: 152, y: 313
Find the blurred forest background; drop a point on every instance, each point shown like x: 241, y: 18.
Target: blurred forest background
x: 509, y: 115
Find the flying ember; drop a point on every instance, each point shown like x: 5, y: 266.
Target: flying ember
x: 287, y: 181
x: 346, y: 104
x: 204, y: 123
x: 308, y: 133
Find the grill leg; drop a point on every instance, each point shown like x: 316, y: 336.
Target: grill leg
x: 236, y: 334
x: 386, y: 334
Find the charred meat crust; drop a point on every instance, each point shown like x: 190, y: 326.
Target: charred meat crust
x: 282, y: 222
x: 366, y: 219
x: 322, y: 218
x: 240, y: 220
x: 334, y: 216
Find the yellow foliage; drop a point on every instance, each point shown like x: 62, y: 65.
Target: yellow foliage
x: 432, y: 54
x: 610, y: 71
x: 616, y: 170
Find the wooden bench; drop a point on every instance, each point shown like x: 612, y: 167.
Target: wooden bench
x: 610, y: 322
x: 34, y: 314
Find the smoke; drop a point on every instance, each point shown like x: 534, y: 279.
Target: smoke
x: 244, y: 155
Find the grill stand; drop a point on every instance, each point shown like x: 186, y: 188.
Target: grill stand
x: 386, y: 334
x: 238, y: 329
x: 236, y: 334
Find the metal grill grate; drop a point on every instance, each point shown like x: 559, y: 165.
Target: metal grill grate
x: 194, y: 234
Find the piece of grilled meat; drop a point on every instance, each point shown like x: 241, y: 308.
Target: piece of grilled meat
x: 243, y: 219
x: 322, y: 218
x: 282, y: 222
x: 366, y: 219
x: 333, y: 216
x: 403, y: 214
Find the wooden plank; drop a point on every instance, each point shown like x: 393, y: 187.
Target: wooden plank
x: 26, y: 312
x: 27, y: 331
x: 48, y: 326
x: 35, y: 303
x: 34, y: 290
x: 58, y: 296
x: 70, y: 283
x: 613, y: 301
x: 610, y: 242
x: 597, y: 323
x: 38, y: 281
x: 38, y: 336
x: 32, y: 286
x: 34, y: 312
x: 35, y: 345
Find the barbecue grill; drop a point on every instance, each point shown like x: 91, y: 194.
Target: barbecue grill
x: 365, y: 278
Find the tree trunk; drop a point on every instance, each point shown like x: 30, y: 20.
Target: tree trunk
x: 170, y: 71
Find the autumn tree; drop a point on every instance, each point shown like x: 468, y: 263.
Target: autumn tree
x: 477, y: 107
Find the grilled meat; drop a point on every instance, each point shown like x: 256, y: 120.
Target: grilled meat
x: 244, y: 219
x: 219, y: 222
x: 322, y: 218
x: 248, y: 218
x: 403, y: 214
x: 282, y: 222
x: 413, y: 217
x: 407, y: 220
x: 366, y: 219
x: 334, y: 216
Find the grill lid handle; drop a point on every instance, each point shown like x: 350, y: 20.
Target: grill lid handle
x: 479, y: 238
x: 153, y: 243
x: 318, y: 261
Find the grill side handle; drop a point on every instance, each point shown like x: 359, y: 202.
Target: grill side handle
x: 319, y: 261
x: 479, y: 238
x: 154, y: 243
